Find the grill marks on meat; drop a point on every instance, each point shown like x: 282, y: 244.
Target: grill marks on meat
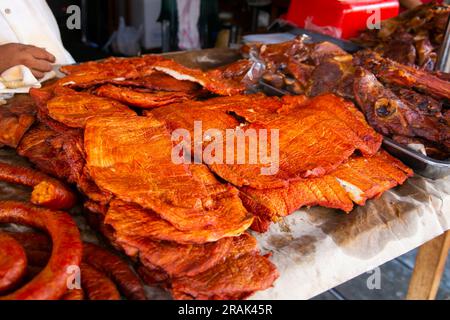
x: 115, y: 70
x: 47, y: 191
x: 131, y: 158
x: 357, y: 180
x: 51, y: 283
x: 372, y: 176
x: 314, y: 138
x: 75, y: 109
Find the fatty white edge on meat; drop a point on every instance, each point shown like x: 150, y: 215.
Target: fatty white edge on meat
x: 355, y: 193
x: 178, y: 76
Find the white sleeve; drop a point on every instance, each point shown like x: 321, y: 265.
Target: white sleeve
x: 32, y: 22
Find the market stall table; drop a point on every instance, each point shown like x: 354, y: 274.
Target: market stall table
x: 317, y: 249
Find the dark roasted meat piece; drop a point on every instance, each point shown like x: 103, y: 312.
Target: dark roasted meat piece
x: 414, y: 37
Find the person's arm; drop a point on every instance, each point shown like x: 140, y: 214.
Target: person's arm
x: 37, y: 59
x: 409, y: 4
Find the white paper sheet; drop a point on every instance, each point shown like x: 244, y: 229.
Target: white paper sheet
x: 318, y: 249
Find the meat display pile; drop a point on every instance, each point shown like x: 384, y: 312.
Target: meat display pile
x: 408, y: 104
x: 412, y: 38
x: 108, y: 129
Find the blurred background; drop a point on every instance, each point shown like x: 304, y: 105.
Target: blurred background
x: 216, y: 20
x: 131, y: 27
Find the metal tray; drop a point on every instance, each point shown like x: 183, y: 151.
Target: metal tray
x: 421, y: 164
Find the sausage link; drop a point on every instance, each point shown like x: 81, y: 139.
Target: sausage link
x: 47, y: 191
x: 51, y: 282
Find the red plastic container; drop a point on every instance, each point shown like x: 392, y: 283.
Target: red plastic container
x: 339, y: 18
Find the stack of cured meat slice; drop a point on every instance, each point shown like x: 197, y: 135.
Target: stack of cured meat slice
x: 317, y: 160
x: 174, y: 208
